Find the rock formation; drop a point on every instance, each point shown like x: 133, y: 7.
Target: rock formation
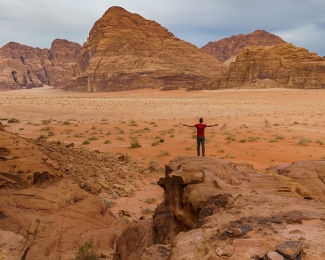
x: 227, y: 48
x: 282, y: 65
x: 124, y: 51
x: 22, y: 66
x: 45, y: 215
x: 214, y: 209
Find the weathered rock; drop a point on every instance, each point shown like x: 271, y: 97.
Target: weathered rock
x: 23, y: 66
x: 52, y: 215
x: 12, y: 246
x: 241, y: 208
x: 290, y: 249
x: 282, y: 65
x: 226, y: 48
x: 124, y: 51
x: 22, y: 164
x: 134, y: 240
x: 274, y: 256
x: 311, y: 174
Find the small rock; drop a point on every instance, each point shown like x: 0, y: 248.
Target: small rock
x: 290, y: 249
x: 274, y: 256
x: 219, y: 251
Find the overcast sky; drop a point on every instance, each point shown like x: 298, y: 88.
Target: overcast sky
x: 38, y: 22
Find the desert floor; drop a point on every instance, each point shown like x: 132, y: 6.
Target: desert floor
x: 258, y: 127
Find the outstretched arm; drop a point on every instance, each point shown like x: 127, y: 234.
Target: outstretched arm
x: 212, y: 125
x: 188, y: 125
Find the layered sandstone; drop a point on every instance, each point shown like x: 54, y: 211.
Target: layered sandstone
x: 214, y: 209
x: 282, y: 65
x: 227, y: 48
x: 23, y: 66
x: 125, y: 51
x: 45, y: 215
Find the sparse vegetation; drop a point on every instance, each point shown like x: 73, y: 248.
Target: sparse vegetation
x: 107, y: 141
x: 320, y: 142
x: 279, y: 137
x: 150, y: 200
x: 86, y: 252
x: 13, y: 121
x: 303, y: 141
x: 147, y: 211
x: 135, y: 142
x: 163, y: 153
x: 42, y: 136
x: 108, y: 203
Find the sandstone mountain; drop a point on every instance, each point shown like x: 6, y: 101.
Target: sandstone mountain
x: 23, y: 66
x: 282, y: 65
x: 214, y: 209
x: 125, y: 51
x: 227, y: 48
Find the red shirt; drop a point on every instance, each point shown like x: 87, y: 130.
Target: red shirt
x: 200, y: 129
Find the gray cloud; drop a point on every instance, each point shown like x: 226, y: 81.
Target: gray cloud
x: 37, y: 22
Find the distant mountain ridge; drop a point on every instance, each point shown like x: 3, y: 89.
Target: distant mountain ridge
x: 225, y: 48
x: 124, y: 51
x: 23, y: 66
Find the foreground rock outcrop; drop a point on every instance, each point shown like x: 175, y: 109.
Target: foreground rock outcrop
x: 23, y: 66
x: 282, y: 65
x: 44, y: 214
x: 124, y: 51
x: 214, y: 209
x: 227, y: 48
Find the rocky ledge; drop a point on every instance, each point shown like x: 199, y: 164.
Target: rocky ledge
x: 214, y: 209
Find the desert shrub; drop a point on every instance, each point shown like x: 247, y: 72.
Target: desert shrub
x: 13, y: 120
x: 147, y: 211
x: 276, y: 124
x: 155, y: 143
x: 242, y: 140
x: 221, y: 151
x: 161, y: 140
x: 150, y: 200
x: 107, y: 142
x: 85, y: 142
x: 163, y: 153
x: 66, y: 123
x: 46, y: 122
x: 21, y: 129
x: 296, y: 123
x: 231, y: 138
x: 320, y: 142
x: 224, y: 126
x: 279, y: 137
x: 86, y: 252
x: 274, y: 140
x: 154, y: 163
x: 303, y: 141
x: 135, y: 142
x: 42, y: 136
x: 188, y: 148
x: 92, y: 138
x: 108, y: 203
x: 50, y: 134
x: 79, y: 135
x: 252, y: 139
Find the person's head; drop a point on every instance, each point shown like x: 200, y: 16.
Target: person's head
x: 201, y: 120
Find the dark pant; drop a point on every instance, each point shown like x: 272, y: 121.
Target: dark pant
x: 200, y: 140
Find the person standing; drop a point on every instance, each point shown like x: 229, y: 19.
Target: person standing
x: 200, y: 135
